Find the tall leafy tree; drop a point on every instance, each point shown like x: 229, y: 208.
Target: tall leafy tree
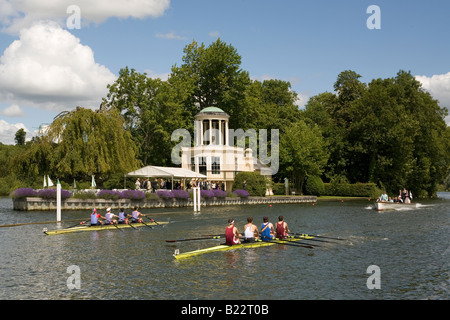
x: 212, y: 76
x: 319, y: 110
x: 20, y: 137
x: 81, y: 143
x: 303, y: 152
x: 152, y: 110
x: 390, y: 132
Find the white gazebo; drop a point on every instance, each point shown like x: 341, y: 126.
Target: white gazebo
x: 214, y: 153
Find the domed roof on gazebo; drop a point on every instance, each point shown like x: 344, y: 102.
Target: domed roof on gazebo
x: 212, y: 111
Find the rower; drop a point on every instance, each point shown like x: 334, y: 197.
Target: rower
x: 122, y: 217
x: 135, y: 216
x: 267, y: 231
x: 109, y: 217
x: 250, y: 231
x: 282, y: 228
x: 231, y: 234
x: 95, y: 218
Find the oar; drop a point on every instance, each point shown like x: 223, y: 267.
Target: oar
x: 131, y: 225
x: 301, y: 237
x: 154, y: 221
x: 142, y: 221
x: 316, y: 236
x: 192, y: 239
x: 287, y: 243
x: 75, y: 225
x: 116, y: 226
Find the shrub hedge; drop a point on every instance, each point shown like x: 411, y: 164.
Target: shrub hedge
x: 256, y: 184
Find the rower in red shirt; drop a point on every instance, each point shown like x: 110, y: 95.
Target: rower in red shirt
x: 231, y: 233
x: 282, y: 228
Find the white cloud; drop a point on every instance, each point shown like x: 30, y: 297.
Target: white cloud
x: 8, y: 131
x: 49, y: 68
x: 18, y: 14
x: 214, y: 34
x: 12, y: 111
x: 439, y: 87
x: 302, y: 99
x: 152, y: 74
x: 171, y: 36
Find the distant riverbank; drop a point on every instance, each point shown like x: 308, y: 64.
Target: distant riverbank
x: 41, y: 204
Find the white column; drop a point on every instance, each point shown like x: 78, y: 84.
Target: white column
x: 227, y: 136
x: 220, y: 133
x: 210, y: 131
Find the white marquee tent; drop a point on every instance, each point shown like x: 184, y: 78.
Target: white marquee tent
x: 165, y: 172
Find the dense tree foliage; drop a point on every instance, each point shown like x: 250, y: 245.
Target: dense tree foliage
x: 152, y: 110
x: 389, y: 132
x: 79, y: 144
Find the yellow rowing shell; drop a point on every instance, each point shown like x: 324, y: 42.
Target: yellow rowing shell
x: 99, y: 228
x: 225, y: 247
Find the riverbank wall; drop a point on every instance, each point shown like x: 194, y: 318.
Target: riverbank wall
x: 40, y: 204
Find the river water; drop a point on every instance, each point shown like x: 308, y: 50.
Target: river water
x: 410, y: 250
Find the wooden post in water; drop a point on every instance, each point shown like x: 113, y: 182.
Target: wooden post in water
x: 58, y: 202
x: 196, y: 191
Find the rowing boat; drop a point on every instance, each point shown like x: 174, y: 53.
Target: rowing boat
x: 225, y: 247
x: 99, y: 228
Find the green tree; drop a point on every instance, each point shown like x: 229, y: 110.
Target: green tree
x: 256, y: 184
x: 381, y: 137
x: 152, y: 110
x: 431, y: 145
x: 319, y: 110
x: 390, y: 132
x: 303, y: 152
x: 8, y: 179
x: 348, y: 89
x: 212, y: 76
x: 20, y: 137
x: 270, y: 105
x: 81, y: 143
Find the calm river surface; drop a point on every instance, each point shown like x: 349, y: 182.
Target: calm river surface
x: 411, y: 249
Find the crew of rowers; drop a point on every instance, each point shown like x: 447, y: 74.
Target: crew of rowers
x: 268, y: 231
x: 121, y: 218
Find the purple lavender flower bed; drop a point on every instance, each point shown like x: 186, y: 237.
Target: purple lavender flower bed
x: 220, y: 194
x: 180, y: 194
x: 109, y: 194
x: 241, y: 193
x: 165, y: 194
x: 51, y: 194
x: 133, y: 195
x: 25, y: 192
x: 207, y: 194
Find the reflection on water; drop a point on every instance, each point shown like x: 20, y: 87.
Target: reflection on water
x: 410, y: 247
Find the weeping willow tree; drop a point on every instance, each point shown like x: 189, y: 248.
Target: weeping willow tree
x: 81, y: 143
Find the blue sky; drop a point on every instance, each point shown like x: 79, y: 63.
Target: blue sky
x: 46, y: 68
